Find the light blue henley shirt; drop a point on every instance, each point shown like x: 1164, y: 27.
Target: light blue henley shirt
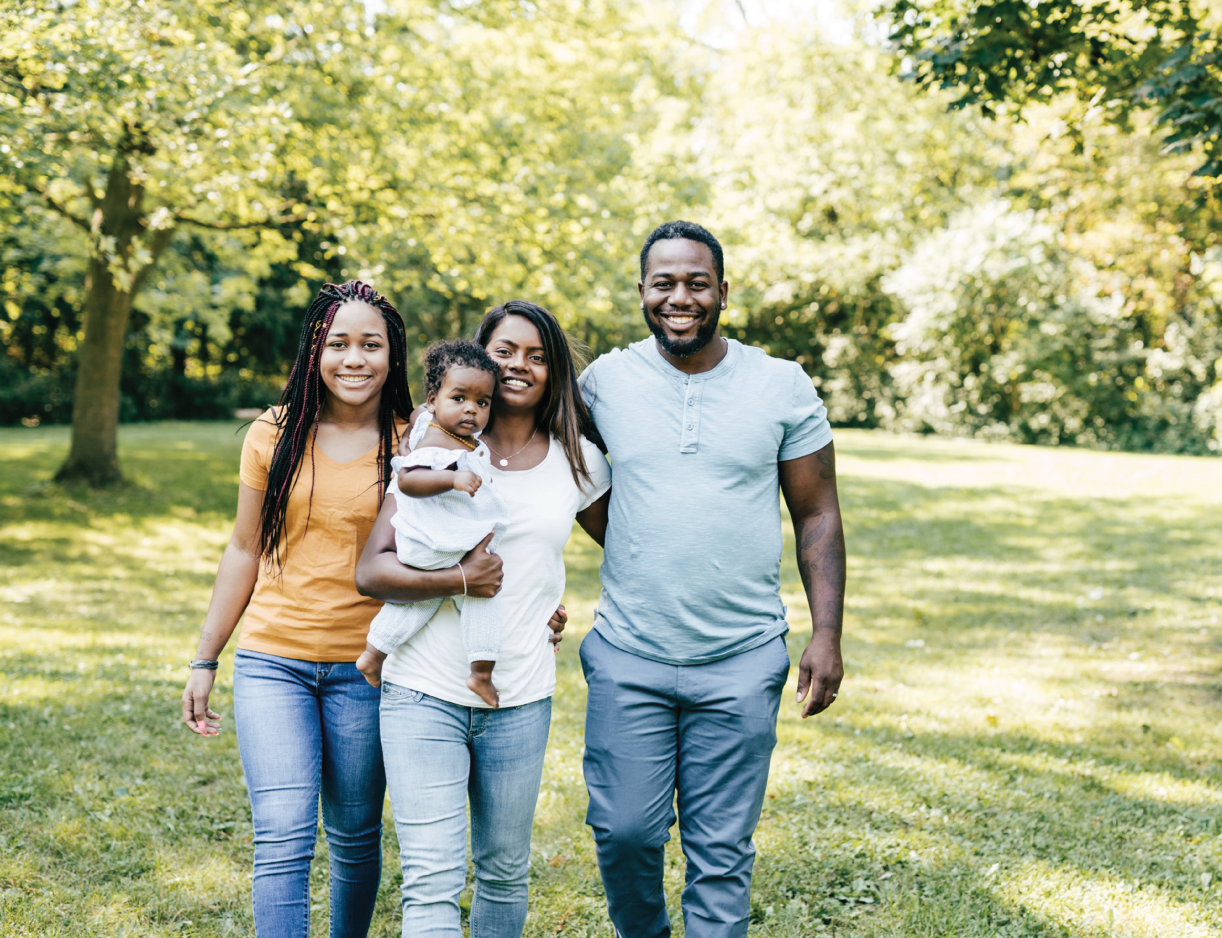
x: 691, y: 571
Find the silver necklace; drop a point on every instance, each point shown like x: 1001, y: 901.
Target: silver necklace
x: 504, y: 460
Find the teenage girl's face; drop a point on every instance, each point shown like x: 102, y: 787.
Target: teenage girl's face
x: 355, y: 359
x: 517, y: 347
x: 463, y: 403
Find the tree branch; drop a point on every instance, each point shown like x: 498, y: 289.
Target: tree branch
x: 63, y: 210
x: 159, y: 241
x: 281, y: 219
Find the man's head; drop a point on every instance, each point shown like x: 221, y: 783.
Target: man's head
x: 683, y: 287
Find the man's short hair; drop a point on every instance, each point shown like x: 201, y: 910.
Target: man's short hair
x: 689, y: 231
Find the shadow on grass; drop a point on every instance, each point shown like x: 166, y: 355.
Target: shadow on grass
x: 168, y: 466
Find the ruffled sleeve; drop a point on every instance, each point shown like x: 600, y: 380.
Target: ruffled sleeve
x: 426, y: 457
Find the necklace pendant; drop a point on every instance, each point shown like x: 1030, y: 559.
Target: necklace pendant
x: 504, y: 462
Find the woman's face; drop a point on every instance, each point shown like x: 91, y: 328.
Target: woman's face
x: 355, y: 360
x: 516, y: 346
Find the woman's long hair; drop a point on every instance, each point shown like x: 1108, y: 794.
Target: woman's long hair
x: 563, y: 412
x: 302, y: 401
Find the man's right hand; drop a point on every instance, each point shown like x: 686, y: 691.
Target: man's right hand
x: 482, y: 570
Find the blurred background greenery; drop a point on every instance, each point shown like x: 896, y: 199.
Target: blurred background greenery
x: 961, y: 217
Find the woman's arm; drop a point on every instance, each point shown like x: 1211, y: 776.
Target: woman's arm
x: 235, y: 581
x: 380, y: 574
x: 594, y: 519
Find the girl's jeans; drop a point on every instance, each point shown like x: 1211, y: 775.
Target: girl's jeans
x: 307, y: 728
x: 438, y: 755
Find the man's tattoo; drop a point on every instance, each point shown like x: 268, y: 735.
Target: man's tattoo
x: 822, y: 567
x: 827, y: 462
x: 810, y: 538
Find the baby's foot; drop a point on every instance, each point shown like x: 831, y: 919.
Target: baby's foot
x: 370, y: 665
x: 481, y: 684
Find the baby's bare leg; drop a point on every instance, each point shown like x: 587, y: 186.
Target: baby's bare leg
x: 370, y: 664
x: 480, y: 682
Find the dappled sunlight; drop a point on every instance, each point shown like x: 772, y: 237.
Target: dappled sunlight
x: 1097, y: 904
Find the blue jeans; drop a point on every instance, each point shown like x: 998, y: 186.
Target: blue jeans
x: 305, y: 729
x: 437, y: 756
x: 705, y: 731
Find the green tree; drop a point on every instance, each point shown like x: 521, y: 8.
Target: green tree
x: 1112, y: 56
x: 822, y: 175
x: 453, y: 154
x: 133, y: 119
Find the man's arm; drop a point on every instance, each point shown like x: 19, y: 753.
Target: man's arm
x: 809, y: 487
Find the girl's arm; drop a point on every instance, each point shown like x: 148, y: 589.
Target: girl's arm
x: 235, y: 581
x: 594, y: 519
x: 380, y: 575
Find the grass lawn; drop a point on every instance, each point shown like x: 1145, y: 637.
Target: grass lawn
x: 1025, y: 745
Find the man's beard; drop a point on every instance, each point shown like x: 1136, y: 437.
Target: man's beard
x: 704, y: 335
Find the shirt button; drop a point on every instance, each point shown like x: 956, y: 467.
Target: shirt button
x: 691, y: 426
x: 691, y: 403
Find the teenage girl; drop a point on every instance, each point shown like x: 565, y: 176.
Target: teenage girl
x: 312, y: 476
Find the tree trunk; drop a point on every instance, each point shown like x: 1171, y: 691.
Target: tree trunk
x: 94, y: 457
x: 118, y: 220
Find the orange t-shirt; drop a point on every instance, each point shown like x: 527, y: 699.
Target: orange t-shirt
x: 311, y: 611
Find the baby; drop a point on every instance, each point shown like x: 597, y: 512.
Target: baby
x: 445, y: 504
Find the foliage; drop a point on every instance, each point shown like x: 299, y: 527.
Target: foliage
x: 820, y: 205
x: 456, y: 156
x: 1112, y: 56
x: 1010, y: 335
x: 436, y: 139
x: 1025, y: 745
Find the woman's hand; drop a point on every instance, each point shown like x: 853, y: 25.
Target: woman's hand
x: 195, y: 710
x: 482, y: 571
x: 557, y: 623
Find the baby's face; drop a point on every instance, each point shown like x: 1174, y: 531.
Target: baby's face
x: 463, y: 403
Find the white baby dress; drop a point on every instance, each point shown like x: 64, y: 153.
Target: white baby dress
x: 435, y: 532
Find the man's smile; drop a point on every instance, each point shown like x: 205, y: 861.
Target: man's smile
x: 678, y: 321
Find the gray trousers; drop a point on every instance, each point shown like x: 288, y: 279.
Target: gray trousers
x: 705, y: 731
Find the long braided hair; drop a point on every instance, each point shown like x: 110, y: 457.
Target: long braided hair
x: 302, y: 401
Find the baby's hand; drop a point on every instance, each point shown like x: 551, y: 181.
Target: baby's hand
x: 467, y: 482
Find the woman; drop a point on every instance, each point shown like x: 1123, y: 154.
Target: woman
x: 312, y: 476
x: 442, y: 744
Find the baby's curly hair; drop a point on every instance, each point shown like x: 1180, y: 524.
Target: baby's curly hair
x: 460, y: 353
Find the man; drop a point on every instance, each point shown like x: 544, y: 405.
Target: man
x: 687, y: 659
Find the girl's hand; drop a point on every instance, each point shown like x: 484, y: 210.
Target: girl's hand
x: 482, y: 570
x: 467, y: 482
x: 196, y: 713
